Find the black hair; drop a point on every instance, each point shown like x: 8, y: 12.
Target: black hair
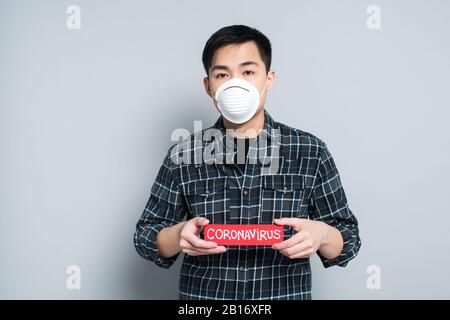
x: 237, y: 34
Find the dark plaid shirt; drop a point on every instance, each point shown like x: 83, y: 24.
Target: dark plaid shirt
x: 305, y: 183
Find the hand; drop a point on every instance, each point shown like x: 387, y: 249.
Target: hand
x: 308, y: 239
x: 192, y: 244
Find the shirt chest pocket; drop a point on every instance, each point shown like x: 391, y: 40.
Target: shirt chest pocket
x: 208, y: 198
x: 282, y: 196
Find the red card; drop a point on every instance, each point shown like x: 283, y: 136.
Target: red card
x: 243, y: 234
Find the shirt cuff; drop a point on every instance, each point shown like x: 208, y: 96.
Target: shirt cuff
x: 349, y: 250
x: 148, y: 244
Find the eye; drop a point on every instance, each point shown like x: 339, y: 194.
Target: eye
x: 249, y: 72
x: 220, y: 75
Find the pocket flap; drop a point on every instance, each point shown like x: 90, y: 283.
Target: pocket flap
x: 283, y: 183
x: 206, y: 187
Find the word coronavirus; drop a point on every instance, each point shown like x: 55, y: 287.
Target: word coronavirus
x: 238, y: 234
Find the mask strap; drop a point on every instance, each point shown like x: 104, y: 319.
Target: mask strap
x: 265, y: 86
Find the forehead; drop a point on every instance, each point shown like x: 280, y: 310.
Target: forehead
x: 234, y: 54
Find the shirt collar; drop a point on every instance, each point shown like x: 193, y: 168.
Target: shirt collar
x: 270, y: 132
x: 269, y: 125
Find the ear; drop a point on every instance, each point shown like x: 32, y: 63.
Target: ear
x: 207, y: 87
x: 271, y: 76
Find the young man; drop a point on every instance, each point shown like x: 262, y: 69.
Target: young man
x: 298, y: 188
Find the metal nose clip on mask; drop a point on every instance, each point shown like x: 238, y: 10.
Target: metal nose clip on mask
x: 238, y: 100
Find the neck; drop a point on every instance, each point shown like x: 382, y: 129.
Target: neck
x: 249, y: 129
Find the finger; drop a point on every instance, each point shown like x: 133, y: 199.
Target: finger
x: 200, y: 221
x: 304, y: 254
x: 196, y: 242
x: 217, y: 250
x: 296, y: 238
x: 295, y: 223
x: 191, y: 252
x: 291, y: 251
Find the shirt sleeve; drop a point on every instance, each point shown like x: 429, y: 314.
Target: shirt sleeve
x: 165, y: 207
x: 328, y: 203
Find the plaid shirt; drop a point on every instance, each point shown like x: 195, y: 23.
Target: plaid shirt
x: 305, y: 184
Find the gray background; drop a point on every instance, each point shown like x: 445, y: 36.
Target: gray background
x: 86, y: 118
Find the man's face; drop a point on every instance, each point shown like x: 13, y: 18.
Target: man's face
x: 239, y: 61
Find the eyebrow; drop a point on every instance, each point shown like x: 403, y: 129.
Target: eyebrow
x: 243, y: 64
x: 248, y: 63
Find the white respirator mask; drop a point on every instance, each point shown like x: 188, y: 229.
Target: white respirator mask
x: 238, y: 100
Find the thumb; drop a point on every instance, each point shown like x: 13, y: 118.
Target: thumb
x: 295, y: 223
x: 200, y: 221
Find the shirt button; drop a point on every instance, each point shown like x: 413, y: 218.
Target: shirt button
x: 245, y: 192
x: 241, y: 269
